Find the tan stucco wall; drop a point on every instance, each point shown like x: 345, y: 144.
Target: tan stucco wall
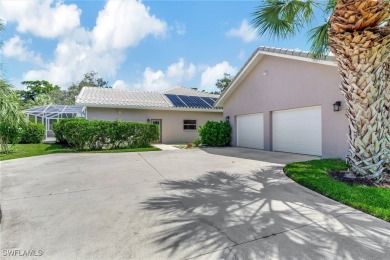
x: 292, y: 84
x: 172, y: 121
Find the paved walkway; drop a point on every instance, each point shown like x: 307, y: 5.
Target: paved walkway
x: 184, y: 204
x: 166, y: 147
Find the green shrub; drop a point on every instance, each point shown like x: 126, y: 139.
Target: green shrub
x: 98, y: 134
x: 214, y: 133
x: 59, y: 129
x: 9, y: 136
x: 197, y: 142
x: 32, y: 133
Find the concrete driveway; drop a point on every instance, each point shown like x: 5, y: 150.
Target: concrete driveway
x: 226, y: 203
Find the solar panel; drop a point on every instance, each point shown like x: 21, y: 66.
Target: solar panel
x: 191, y: 101
x: 209, y: 101
x: 176, y: 101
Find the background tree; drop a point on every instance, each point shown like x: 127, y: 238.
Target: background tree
x: 42, y: 92
x: 35, y: 88
x: 91, y: 79
x: 223, y: 83
x: 37, y: 93
x: 68, y: 97
x: 358, y: 34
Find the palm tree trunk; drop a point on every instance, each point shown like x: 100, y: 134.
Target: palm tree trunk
x: 387, y: 117
x: 361, y: 48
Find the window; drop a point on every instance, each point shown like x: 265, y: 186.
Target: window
x: 189, y: 125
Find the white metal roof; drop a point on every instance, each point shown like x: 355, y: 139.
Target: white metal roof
x: 120, y: 98
x: 109, y: 96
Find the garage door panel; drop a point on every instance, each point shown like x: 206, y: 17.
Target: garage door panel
x: 297, y: 131
x: 250, y: 131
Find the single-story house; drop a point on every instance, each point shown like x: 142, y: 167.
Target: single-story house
x: 282, y: 100
x: 179, y: 111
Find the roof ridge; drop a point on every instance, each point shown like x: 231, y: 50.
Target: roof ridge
x: 123, y: 90
x: 292, y: 52
x: 178, y: 87
x: 280, y: 50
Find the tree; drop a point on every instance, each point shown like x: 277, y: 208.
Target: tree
x: 68, y: 96
x: 37, y: 93
x: 60, y: 97
x: 90, y: 80
x: 223, y: 83
x: 358, y: 34
x: 35, y: 88
x: 11, y: 118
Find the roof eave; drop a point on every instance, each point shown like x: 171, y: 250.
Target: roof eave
x: 213, y: 110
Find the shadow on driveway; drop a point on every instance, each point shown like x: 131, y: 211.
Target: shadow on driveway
x: 264, y: 215
x: 259, y: 155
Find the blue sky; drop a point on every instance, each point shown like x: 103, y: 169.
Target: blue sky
x: 148, y: 45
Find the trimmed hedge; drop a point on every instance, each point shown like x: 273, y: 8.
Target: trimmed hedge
x: 98, y: 134
x: 59, y: 129
x: 32, y: 133
x: 215, y: 133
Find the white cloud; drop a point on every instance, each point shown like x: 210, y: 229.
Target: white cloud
x: 211, y: 74
x: 123, y: 23
x: 44, y: 18
x: 120, y: 84
x: 178, y: 71
x: 180, y: 28
x: 175, y: 75
x: 73, y: 59
x: 245, y: 32
x: 242, y: 54
x: 18, y: 48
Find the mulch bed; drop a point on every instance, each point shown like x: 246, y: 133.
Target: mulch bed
x: 343, y: 176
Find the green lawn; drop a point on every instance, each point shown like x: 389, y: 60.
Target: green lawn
x: 312, y: 174
x: 28, y: 150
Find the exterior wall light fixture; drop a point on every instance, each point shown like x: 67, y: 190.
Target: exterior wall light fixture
x: 336, y: 106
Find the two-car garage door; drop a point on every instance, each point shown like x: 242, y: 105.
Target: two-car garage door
x: 294, y: 130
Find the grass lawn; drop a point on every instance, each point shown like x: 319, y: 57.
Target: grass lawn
x: 312, y: 174
x: 28, y: 150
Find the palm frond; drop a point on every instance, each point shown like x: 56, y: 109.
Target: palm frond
x: 330, y: 5
x: 318, y: 37
x: 1, y: 48
x: 282, y: 18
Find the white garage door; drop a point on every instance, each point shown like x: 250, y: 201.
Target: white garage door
x: 250, y: 131
x: 297, y: 131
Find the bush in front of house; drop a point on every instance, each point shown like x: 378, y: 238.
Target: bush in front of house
x: 98, y: 134
x: 215, y: 133
x: 59, y: 129
x: 32, y: 133
x: 197, y: 142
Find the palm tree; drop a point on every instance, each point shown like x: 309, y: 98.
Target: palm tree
x: 11, y: 118
x: 358, y: 35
